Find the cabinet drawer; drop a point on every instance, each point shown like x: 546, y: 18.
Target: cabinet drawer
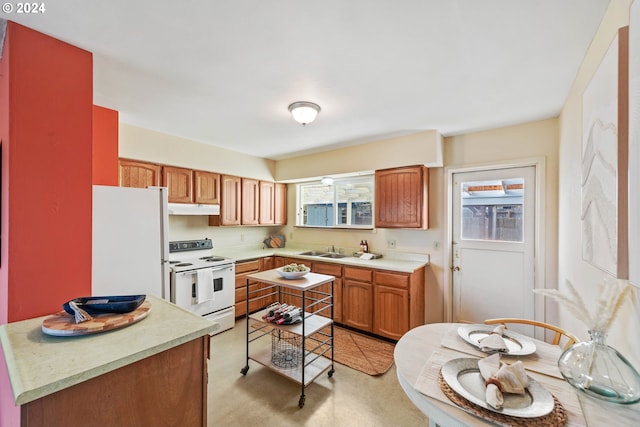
x: 392, y: 279
x: 241, y: 281
x: 358, y: 274
x: 248, y: 266
x: 325, y: 268
x: 241, y: 292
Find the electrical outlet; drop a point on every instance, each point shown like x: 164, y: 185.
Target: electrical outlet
x: 391, y: 244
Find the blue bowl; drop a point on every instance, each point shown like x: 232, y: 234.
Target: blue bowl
x: 106, y: 304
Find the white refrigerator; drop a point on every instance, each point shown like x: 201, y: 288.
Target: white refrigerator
x: 130, y: 241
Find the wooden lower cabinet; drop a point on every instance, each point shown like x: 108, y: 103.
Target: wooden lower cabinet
x: 383, y: 302
x: 244, y: 268
x: 166, y: 389
x: 357, y: 293
x: 391, y: 317
x: 334, y: 270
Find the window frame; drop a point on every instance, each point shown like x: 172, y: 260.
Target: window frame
x: 369, y: 179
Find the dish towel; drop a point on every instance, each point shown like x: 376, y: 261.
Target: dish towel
x: 494, y: 341
x: 501, y: 378
x: 204, y: 286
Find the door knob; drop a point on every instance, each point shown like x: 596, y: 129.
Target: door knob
x: 455, y: 268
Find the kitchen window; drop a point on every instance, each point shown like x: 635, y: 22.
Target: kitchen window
x: 347, y: 203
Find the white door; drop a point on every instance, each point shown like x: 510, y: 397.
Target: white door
x: 493, y: 244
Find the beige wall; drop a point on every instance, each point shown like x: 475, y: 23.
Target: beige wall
x: 421, y: 148
x: 144, y: 144
x: 624, y: 332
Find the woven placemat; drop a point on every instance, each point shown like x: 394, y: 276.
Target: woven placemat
x: 556, y: 418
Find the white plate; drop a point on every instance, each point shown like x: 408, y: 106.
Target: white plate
x: 463, y: 376
x: 292, y: 274
x: 518, y: 345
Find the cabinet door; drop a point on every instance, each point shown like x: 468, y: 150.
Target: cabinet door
x: 250, y: 202
x: 402, y: 197
x: 138, y: 174
x: 334, y: 270
x: 207, y: 188
x: 280, y: 204
x: 391, y: 307
x: 357, y: 305
x: 267, y: 202
x: 179, y: 182
x: 230, y: 201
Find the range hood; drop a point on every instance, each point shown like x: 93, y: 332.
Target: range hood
x: 193, y: 209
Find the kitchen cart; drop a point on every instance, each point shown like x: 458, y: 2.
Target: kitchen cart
x: 300, y: 351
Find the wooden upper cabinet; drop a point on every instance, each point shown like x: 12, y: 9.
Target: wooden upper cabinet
x: 250, y: 202
x: 207, y: 187
x: 179, y: 181
x: 230, y: 200
x: 280, y: 204
x: 267, y: 202
x: 136, y: 174
x: 402, y: 197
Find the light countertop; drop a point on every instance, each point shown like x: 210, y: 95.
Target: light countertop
x: 40, y: 364
x: 406, y: 263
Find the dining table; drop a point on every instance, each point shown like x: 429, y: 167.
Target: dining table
x: 420, y: 354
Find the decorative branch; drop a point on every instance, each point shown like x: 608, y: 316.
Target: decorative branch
x: 612, y: 297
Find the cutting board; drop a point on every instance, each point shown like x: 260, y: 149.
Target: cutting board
x: 64, y: 325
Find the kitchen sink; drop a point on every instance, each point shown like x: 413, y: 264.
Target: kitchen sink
x: 314, y: 253
x: 333, y: 255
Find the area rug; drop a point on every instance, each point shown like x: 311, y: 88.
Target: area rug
x: 363, y: 353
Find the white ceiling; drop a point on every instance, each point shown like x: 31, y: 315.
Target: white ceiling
x: 224, y: 72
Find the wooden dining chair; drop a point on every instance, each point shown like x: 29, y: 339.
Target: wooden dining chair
x: 560, y: 334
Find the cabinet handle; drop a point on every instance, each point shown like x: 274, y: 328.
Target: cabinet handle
x: 456, y: 268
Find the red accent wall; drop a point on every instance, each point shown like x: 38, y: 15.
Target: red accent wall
x: 46, y: 91
x: 105, y: 146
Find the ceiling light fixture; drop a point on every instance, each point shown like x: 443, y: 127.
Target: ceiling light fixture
x: 304, y: 112
x: 326, y: 180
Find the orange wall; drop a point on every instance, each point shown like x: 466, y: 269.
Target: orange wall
x: 105, y: 146
x: 46, y: 180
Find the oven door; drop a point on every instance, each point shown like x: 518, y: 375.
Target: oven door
x: 205, y: 290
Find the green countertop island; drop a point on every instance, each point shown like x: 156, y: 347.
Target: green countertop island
x: 144, y: 370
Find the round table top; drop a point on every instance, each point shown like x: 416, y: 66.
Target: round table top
x: 411, y: 353
x: 415, y: 348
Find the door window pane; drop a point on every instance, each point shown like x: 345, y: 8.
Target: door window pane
x: 492, y: 210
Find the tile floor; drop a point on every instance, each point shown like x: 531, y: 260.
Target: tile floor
x: 264, y: 398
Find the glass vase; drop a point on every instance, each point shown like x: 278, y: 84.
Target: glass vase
x: 600, y: 371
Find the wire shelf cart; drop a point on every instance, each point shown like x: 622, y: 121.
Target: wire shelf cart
x: 300, y: 351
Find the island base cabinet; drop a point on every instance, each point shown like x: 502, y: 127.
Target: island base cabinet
x: 166, y: 389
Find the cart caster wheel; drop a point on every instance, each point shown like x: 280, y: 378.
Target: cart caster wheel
x: 301, y: 402
x: 244, y: 370
x: 331, y: 373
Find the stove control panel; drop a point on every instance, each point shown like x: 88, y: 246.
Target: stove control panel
x: 190, y: 245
